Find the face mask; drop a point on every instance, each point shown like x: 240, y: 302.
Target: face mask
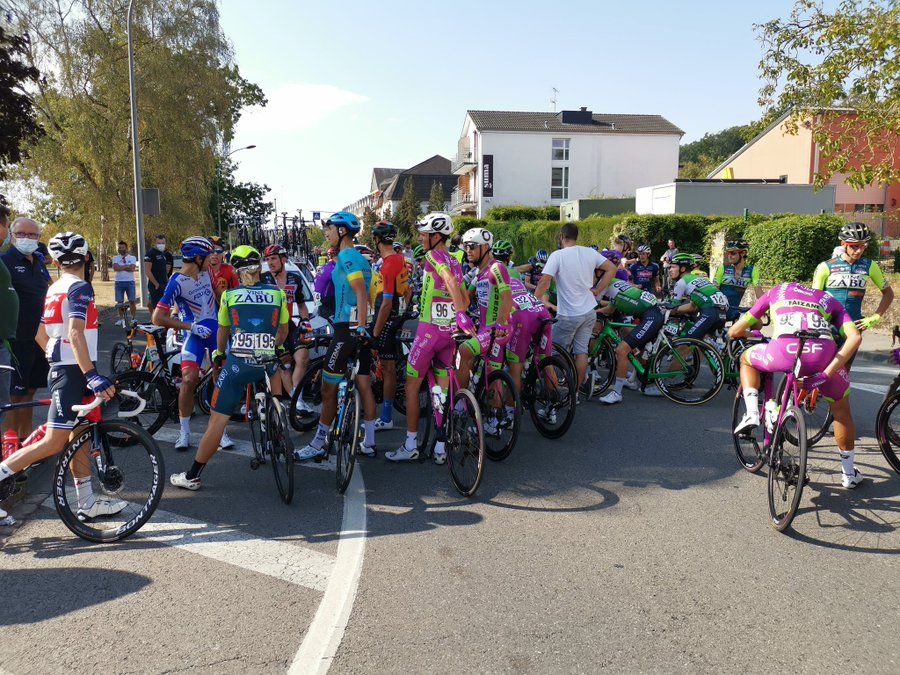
x: 26, y: 246
x: 160, y: 247
x: 8, y: 237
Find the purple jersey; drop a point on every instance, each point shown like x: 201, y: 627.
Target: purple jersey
x: 489, y: 287
x: 794, y: 307
x: 523, y: 299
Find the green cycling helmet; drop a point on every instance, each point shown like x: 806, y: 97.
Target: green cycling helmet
x: 686, y: 259
x: 418, y: 252
x: 245, y: 256
x: 502, y: 248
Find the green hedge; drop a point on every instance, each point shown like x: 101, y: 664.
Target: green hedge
x: 520, y: 213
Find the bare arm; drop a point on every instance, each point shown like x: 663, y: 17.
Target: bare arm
x: 846, y: 352
x: 541, y: 290
x: 42, y: 338
x: 455, y: 289
x: 222, y: 336
x: 282, y: 334
x: 506, y: 305
x: 887, y: 297
x: 161, y: 317
x: 609, y: 273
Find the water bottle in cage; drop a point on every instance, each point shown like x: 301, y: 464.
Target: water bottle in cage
x: 438, y: 397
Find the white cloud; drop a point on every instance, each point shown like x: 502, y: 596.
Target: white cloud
x: 296, y: 106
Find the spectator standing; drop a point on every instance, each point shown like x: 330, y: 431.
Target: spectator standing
x: 224, y: 276
x: 125, y: 265
x: 30, y: 280
x: 666, y: 260
x: 573, y: 268
x: 158, y: 266
x: 9, y: 311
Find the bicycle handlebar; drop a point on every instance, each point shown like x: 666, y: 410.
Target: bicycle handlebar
x: 84, y: 408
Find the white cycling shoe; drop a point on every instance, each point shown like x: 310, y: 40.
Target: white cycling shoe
x: 632, y: 383
x: 181, y: 480
x: 491, y: 426
x: 652, y: 390
x: 381, y: 425
x: 308, y: 452
x: 102, y: 506
x: 611, y: 398
x: 183, y: 442
x: 402, y: 454
x: 850, y: 482
x: 748, y: 422
x: 226, y: 441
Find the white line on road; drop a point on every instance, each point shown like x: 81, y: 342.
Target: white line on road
x: 881, y: 389
x: 326, y: 631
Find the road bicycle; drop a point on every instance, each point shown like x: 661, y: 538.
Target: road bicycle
x: 780, y: 441
x: 498, y: 402
x: 885, y: 431
x: 122, y: 460
x: 548, y: 390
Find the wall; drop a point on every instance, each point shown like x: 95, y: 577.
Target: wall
x: 775, y: 154
x: 732, y: 199
x: 583, y: 208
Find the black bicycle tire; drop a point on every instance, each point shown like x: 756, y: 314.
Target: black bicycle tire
x: 507, y: 448
x: 883, y: 431
x: 466, y: 490
x: 152, y: 383
x: 784, y: 522
x: 750, y: 464
x: 542, y: 428
x: 347, y: 440
x: 70, y: 520
x: 277, y: 432
x: 820, y: 430
x: 563, y: 353
x: 400, y: 394
x: 426, y: 433
x: 116, y: 348
x: 608, y: 349
x: 671, y: 392
x: 307, y: 381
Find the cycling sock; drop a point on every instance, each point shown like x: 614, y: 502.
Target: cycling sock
x: 369, y: 431
x: 195, y: 470
x: 185, y: 424
x: 387, y: 410
x: 5, y: 471
x: 439, y: 448
x: 751, y: 400
x: 321, y: 435
x: 847, y: 462
x: 84, y: 491
x: 411, y: 441
x: 619, y: 385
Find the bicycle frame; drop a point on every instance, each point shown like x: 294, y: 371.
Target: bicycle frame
x: 608, y: 332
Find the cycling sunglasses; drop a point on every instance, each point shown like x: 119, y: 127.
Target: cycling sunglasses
x: 470, y: 246
x: 857, y: 246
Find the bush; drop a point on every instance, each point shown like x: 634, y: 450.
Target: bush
x: 689, y: 231
x: 521, y: 213
x: 789, y: 247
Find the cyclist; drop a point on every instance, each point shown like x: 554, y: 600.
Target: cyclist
x: 793, y: 307
x: 502, y: 251
x: 525, y: 323
x: 698, y: 265
x: 223, y: 274
x: 192, y: 290
x: 533, y: 269
x: 844, y: 277
x: 68, y: 335
x: 352, y: 278
x: 645, y: 273
x: 389, y: 295
x: 442, y: 309
x: 615, y: 257
x: 734, y: 276
x: 253, y: 321
x: 701, y: 294
x: 292, y: 284
x: 324, y: 287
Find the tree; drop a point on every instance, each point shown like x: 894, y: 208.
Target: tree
x: 436, y: 198
x: 18, y: 119
x: 408, y: 211
x: 237, y: 200
x: 699, y: 158
x: 369, y: 219
x: 815, y: 61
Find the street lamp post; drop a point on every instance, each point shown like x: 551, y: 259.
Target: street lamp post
x: 219, y: 180
x: 135, y: 155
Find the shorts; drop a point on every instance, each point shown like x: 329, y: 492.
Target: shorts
x: 194, y: 349
x: 31, y: 367
x: 432, y: 344
x: 123, y: 288
x: 292, y: 341
x: 479, y: 345
x: 231, y: 384
x: 4, y: 376
x: 386, y: 343
x: 68, y: 387
x: 574, y: 332
x: 778, y: 356
x: 526, y: 326
x: 648, y: 328
x: 340, y: 350
x: 708, y: 320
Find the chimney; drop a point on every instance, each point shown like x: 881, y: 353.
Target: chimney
x: 582, y: 116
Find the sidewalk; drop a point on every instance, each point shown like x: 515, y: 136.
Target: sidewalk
x: 876, y: 347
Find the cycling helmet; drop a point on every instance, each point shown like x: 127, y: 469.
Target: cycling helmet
x: 436, y: 223
x: 398, y: 246
x: 68, y: 248
x: 624, y: 239
x: 217, y: 241
x: 542, y: 255
x: 478, y: 236
x: 418, y: 252
x: 698, y: 258
x: 385, y: 231
x: 274, y: 249
x: 196, y: 247
x: 683, y: 259
x: 615, y: 257
x: 245, y: 257
x: 365, y: 251
x: 346, y: 220
x: 854, y: 232
x: 643, y: 248
x: 503, y: 248
x: 737, y: 245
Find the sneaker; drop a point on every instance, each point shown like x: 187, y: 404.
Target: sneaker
x: 612, y: 398
x: 402, y: 454
x: 308, y: 452
x: 652, y: 390
x: 304, y: 407
x: 747, y: 423
x: 633, y: 384
x: 850, y: 482
x: 440, y: 458
x: 181, y: 480
x: 183, y: 442
x: 491, y: 426
x: 102, y: 506
x: 226, y: 441
x: 381, y: 425
x: 547, y: 414
x: 368, y: 451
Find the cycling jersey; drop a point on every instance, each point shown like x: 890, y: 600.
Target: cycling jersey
x: 513, y: 272
x: 628, y: 298
x: 489, y: 286
x: 526, y: 323
x: 390, y: 281
x: 847, y: 281
x: 69, y: 297
x: 293, y: 288
x: 795, y: 307
x: 643, y: 275
x: 733, y: 283
x: 436, y: 301
x: 324, y: 290
x: 701, y: 291
x: 350, y: 266
x: 195, y: 299
x: 224, y: 278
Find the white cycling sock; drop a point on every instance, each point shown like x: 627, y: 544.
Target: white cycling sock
x: 5, y: 471
x: 847, y: 462
x: 84, y: 491
x: 439, y: 448
x: 185, y: 424
x: 369, y: 433
x: 751, y: 401
x: 619, y: 385
x: 321, y: 435
x: 411, y: 441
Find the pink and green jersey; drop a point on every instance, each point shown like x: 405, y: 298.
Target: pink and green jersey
x: 793, y: 307
x: 489, y: 287
x: 436, y: 304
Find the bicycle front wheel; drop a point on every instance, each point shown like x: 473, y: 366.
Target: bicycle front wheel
x: 122, y: 475
x: 887, y: 432
x: 500, y: 415
x: 787, y: 468
x: 818, y: 420
x: 748, y: 444
x: 553, y: 397
x: 306, y: 403
x: 281, y: 450
x: 601, y: 370
x: 120, y: 358
x: 688, y: 371
x: 465, y: 443
x: 347, y: 440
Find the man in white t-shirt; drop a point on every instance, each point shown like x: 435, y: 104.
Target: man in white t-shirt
x: 124, y: 266
x: 574, y: 268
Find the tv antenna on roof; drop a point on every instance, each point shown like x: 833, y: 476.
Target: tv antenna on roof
x: 554, y: 98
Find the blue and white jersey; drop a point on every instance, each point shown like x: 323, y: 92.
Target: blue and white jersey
x: 195, y: 299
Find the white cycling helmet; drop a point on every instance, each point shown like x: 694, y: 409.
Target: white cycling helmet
x: 854, y: 232
x: 478, y: 235
x: 68, y: 248
x: 436, y: 222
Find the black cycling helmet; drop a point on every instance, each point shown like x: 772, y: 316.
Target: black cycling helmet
x: 737, y: 245
x: 245, y: 256
x: 385, y: 231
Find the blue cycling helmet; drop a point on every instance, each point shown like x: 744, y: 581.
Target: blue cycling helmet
x: 344, y: 219
x: 196, y: 247
x: 542, y: 255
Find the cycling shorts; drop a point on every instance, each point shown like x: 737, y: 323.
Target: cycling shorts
x: 68, y: 387
x: 526, y: 326
x: 480, y: 344
x: 386, y: 343
x: 231, y: 384
x: 195, y: 348
x: 777, y: 356
x: 708, y: 320
x: 340, y: 350
x: 648, y: 328
x: 431, y: 344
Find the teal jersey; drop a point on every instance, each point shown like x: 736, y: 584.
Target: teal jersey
x: 350, y: 265
x: 733, y: 283
x: 846, y: 282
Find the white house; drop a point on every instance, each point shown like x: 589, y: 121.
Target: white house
x: 546, y: 158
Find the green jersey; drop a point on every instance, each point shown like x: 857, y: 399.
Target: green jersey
x: 254, y: 314
x: 628, y: 298
x: 701, y: 291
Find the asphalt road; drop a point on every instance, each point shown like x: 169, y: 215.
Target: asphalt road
x: 635, y: 543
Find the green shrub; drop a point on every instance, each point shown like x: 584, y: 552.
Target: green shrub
x: 521, y: 213
x: 789, y: 247
x: 463, y: 223
x: 689, y: 230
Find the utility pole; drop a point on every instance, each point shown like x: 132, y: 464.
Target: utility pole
x: 136, y: 157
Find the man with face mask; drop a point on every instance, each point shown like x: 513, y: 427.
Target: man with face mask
x: 30, y: 280
x: 124, y: 266
x: 158, y: 264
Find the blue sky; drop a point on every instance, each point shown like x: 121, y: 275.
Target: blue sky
x: 352, y: 85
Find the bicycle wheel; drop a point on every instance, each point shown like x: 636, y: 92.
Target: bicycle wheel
x: 133, y: 476
x: 818, y: 420
x: 426, y: 432
x: 689, y: 371
x: 601, y: 370
x: 787, y: 468
x: 306, y: 403
x: 281, y: 450
x: 885, y: 431
x: 465, y: 443
x: 500, y: 414
x: 151, y: 389
x: 347, y: 440
x: 565, y: 355
x: 120, y: 358
x: 553, y: 397
x: 747, y: 445
x: 204, y: 392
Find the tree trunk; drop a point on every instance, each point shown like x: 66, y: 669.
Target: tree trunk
x: 102, y: 258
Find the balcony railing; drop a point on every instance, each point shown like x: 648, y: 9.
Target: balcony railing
x: 461, y: 200
x: 464, y: 160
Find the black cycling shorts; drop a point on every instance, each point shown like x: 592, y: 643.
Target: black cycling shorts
x: 646, y: 330
x: 68, y: 387
x: 31, y: 367
x: 386, y: 343
x: 340, y: 350
x: 708, y: 319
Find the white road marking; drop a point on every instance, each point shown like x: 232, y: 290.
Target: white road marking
x: 322, y: 639
x: 883, y: 370
x: 880, y: 389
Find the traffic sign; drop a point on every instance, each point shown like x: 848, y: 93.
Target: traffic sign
x: 317, y: 215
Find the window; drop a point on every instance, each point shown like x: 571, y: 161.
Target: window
x: 559, y: 183
x: 560, y: 149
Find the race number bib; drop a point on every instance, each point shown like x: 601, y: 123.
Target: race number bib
x: 648, y: 297
x: 442, y: 312
x: 671, y: 328
x: 253, y: 344
x: 523, y: 302
x: 795, y: 321
x: 719, y: 299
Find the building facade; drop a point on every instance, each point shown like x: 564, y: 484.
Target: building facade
x: 387, y: 185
